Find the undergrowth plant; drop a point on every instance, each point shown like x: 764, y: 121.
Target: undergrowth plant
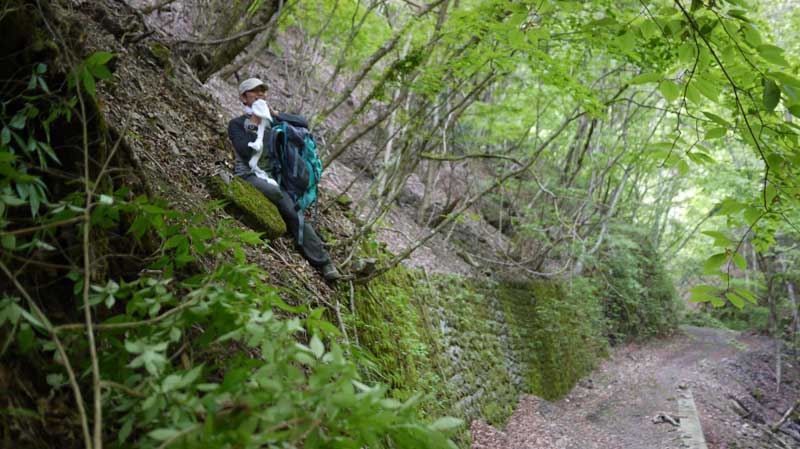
x: 156, y: 328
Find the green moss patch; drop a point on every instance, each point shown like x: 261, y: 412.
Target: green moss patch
x: 248, y: 205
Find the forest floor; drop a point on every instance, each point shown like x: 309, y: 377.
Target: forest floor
x: 731, y: 375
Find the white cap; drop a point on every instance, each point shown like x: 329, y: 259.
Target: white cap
x: 250, y: 84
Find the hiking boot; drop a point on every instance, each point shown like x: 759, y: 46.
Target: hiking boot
x: 330, y: 273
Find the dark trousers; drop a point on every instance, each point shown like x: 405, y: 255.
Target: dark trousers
x: 311, y: 248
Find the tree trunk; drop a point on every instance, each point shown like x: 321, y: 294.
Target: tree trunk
x: 234, y: 20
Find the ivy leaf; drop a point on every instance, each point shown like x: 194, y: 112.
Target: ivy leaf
x: 772, y: 95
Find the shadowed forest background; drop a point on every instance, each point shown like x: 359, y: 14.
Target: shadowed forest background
x: 513, y: 189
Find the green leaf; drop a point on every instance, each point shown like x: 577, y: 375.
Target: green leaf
x: 707, y: 88
x: 794, y: 110
x: 304, y: 358
x: 125, y: 431
x: 770, y: 193
x: 446, y: 423
x: 202, y: 233
x: 752, y: 35
x: 18, y: 122
x: 683, y: 167
x: 720, y: 239
x: 713, y: 263
x: 751, y: 214
x: 735, y: 299
x: 649, y: 29
x: 317, y: 348
x: 627, y: 41
x: 701, y: 297
x: 740, y: 261
x: 772, y: 54
x: 251, y: 237
x: 694, y: 95
x: 669, y: 90
x: 717, y: 119
x: 686, y: 52
x: 99, y: 58
x: 163, y: 434
x: 772, y: 95
x: 746, y: 294
x: 55, y: 380
x: 715, y: 133
x: 704, y: 289
x: 9, y: 241
x: 106, y: 200
x: 729, y: 206
x: 43, y: 84
x: 41, y: 68
x: 88, y: 83
x: 176, y: 241
x: 646, y: 78
x: 5, y: 136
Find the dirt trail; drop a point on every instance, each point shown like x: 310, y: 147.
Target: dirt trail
x: 614, y: 408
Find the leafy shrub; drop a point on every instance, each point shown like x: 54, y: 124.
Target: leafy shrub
x: 158, y: 321
x: 639, y: 297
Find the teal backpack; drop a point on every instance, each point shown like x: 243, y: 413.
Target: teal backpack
x: 296, y: 166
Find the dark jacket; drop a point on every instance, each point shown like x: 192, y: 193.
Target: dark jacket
x: 241, y: 132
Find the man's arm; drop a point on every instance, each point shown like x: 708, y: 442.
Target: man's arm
x: 239, y: 139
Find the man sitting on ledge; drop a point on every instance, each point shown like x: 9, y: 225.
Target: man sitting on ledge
x: 254, y: 165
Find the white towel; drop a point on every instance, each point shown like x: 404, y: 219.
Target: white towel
x: 261, y: 110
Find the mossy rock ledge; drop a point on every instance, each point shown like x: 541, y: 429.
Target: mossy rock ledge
x: 248, y: 204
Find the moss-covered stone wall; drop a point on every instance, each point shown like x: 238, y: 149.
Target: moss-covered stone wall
x: 473, y: 346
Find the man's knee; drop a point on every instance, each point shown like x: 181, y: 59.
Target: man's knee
x: 273, y: 193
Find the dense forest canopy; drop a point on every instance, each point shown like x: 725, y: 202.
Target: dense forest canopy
x: 593, y: 142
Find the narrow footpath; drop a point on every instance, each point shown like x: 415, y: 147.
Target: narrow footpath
x: 635, y: 399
